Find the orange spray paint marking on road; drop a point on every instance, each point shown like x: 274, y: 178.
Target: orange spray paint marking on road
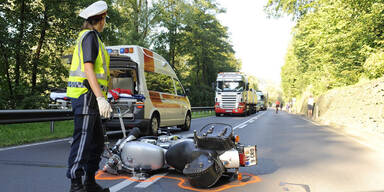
x: 239, y: 177
x: 243, y: 179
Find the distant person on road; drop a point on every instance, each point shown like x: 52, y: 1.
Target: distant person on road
x: 87, y: 88
x: 310, y: 106
x: 277, y: 106
x: 281, y: 106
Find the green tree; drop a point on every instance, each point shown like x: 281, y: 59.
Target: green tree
x: 195, y: 44
x: 331, y: 43
x: 35, y: 34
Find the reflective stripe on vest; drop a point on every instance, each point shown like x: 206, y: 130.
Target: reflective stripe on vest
x: 81, y: 85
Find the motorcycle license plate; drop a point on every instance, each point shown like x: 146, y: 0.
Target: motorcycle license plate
x: 250, y: 153
x: 130, y: 115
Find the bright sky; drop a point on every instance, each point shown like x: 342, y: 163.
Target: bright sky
x: 260, y: 43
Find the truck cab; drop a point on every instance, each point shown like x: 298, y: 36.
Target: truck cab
x: 262, y: 100
x: 233, y: 95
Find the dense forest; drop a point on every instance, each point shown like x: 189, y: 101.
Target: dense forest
x: 335, y: 43
x: 35, y: 34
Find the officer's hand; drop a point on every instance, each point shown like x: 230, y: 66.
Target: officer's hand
x: 104, y: 107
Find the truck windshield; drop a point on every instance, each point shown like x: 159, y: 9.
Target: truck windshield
x: 230, y: 86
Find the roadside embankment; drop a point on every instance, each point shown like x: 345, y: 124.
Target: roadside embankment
x: 358, y: 108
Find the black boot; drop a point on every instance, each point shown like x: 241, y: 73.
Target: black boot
x: 77, y: 185
x: 90, y: 184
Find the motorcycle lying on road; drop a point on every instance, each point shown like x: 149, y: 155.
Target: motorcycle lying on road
x: 204, y: 157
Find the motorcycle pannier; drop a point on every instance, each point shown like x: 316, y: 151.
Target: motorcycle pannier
x: 215, y: 136
x: 204, y: 171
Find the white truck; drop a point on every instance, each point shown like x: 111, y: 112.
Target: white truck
x: 233, y: 95
x: 262, y: 100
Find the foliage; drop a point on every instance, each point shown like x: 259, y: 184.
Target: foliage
x: 374, y: 65
x: 194, y: 42
x: 35, y: 34
x: 253, y: 82
x: 295, y: 8
x: 334, y: 44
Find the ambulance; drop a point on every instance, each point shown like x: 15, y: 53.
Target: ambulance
x: 145, y: 91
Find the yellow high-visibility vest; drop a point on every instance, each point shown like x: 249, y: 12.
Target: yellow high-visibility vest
x: 75, y: 86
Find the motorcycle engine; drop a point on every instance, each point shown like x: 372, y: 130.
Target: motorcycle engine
x: 142, y: 156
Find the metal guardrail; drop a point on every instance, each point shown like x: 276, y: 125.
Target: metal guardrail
x: 28, y: 116
x: 195, y: 109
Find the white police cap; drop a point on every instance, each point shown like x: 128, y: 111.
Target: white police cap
x: 96, y: 8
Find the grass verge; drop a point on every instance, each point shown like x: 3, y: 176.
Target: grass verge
x: 22, y: 133
x: 16, y: 134
x: 200, y: 114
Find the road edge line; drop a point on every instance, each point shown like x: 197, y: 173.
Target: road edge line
x: 34, y: 144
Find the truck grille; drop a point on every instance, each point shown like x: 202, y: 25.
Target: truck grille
x: 228, y: 101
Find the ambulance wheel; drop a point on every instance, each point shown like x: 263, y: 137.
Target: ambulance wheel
x: 153, y: 127
x: 187, y: 123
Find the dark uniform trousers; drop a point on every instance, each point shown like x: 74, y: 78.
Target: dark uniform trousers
x: 88, y: 137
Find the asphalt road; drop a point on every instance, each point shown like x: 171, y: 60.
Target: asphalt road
x: 293, y: 155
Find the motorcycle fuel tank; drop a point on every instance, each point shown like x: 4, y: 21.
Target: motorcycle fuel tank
x: 144, y: 156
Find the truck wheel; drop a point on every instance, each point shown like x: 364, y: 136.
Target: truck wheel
x: 217, y: 114
x: 153, y: 126
x: 187, y: 123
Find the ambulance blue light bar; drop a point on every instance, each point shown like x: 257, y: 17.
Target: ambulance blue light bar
x: 126, y: 50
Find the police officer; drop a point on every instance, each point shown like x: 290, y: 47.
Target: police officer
x: 87, y: 88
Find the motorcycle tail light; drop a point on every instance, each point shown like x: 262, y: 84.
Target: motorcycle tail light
x: 237, y: 139
x: 242, y: 159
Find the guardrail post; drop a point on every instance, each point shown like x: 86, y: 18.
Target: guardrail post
x: 52, y: 126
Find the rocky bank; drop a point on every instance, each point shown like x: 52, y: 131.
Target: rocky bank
x: 358, y: 108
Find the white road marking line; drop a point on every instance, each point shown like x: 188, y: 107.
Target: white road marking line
x: 146, y: 184
x: 249, y: 120
x: 120, y: 185
x: 242, y: 126
x: 34, y: 144
x: 373, y: 147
